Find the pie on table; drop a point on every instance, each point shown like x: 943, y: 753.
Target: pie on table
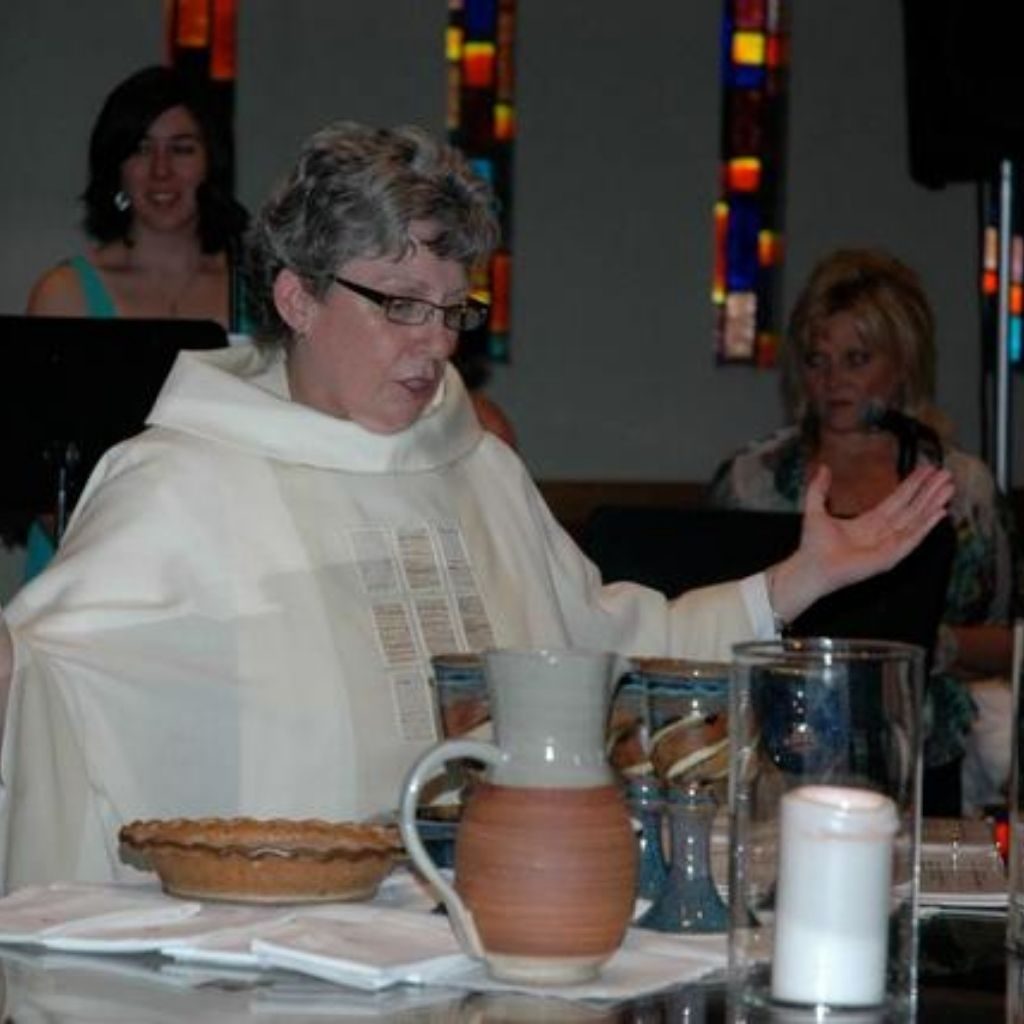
x: 270, y: 861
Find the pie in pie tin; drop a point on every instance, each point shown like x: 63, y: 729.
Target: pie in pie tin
x: 263, y: 861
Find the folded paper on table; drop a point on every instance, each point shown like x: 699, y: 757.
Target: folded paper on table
x: 711, y: 948
x: 369, y: 946
x: 646, y: 962
x: 365, y: 937
x: 44, y: 912
x: 153, y: 970
x: 397, y: 946
x: 227, y: 947
x: 176, y: 992
x: 128, y: 918
x: 158, y: 937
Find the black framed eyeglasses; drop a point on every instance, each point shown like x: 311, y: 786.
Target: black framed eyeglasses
x: 402, y: 309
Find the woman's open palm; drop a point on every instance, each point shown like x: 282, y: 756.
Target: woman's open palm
x: 848, y: 550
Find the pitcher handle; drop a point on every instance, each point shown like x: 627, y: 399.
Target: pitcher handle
x: 426, y: 768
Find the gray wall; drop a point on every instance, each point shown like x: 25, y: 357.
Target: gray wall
x: 612, y: 373
x: 58, y: 59
x: 304, y: 63
x: 849, y: 183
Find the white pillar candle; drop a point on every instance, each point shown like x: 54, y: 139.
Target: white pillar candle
x: 832, y: 896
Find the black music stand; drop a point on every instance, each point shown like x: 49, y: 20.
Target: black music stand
x: 676, y: 549
x: 70, y: 388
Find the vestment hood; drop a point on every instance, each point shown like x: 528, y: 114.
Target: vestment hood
x: 239, y: 397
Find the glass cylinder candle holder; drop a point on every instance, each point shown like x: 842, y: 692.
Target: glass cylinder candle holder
x: 824, y: 800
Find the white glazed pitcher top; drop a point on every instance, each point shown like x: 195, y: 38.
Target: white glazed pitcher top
x: 550, y: 710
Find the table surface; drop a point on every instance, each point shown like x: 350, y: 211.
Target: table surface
x: 965, y: 973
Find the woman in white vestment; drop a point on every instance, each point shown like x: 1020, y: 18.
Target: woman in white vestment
x: 240, y: 616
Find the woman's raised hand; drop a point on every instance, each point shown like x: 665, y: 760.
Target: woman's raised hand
x: 834, y: 553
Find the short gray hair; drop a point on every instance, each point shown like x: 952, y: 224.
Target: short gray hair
x: 353, y: 194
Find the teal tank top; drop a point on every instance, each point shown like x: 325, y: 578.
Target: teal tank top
x: 98, y: 302
x: 39, y: 550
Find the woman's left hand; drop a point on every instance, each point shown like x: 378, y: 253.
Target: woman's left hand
x: 834, y: 553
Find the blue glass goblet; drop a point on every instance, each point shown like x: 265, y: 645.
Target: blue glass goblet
x: 688, y: 748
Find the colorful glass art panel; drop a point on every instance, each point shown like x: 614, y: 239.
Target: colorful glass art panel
x: 992, y: 272
x: 481, y: 122
x: 748, y: 214
x: 481, y: 117
x: 201, y: 36
x: 201, y: 40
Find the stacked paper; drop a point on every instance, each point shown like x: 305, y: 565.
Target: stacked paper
x: 374, y: 950
x: 368, y: 946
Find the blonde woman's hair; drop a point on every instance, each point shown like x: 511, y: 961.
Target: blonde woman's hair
x: 890, y: 310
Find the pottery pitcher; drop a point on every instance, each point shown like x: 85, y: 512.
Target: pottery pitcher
x: 545, y: 858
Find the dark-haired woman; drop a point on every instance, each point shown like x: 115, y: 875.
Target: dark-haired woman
x: 159, y: 208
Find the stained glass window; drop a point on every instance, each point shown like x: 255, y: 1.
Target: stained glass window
x: 991, y: 272
x: 200, y: 38
x: 201, y: 35
x: 480, y: 110
x: 481, y: 122
x: 748, y: 214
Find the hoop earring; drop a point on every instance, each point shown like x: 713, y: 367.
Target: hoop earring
x: 122, y: 201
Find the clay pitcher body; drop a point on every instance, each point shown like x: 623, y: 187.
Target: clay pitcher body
x: 545, y: 858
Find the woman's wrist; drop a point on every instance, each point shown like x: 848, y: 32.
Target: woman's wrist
x: 793, y: 584
x: 781, y: 624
